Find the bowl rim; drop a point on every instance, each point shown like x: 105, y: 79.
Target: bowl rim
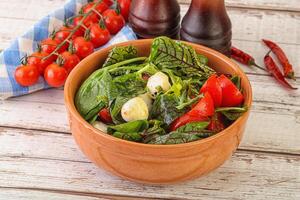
x: 70, y: 104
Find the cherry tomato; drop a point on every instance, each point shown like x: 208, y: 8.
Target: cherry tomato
x: 113, y: 21
x: 100, y: 8
x: 55, y: 75
x: 70, y: 60
x: 99, y: 35
x: 105, y: 116
x: 83, y: 47
x: 108, y: 2
x: 49, y: 45
x: 27, y: 75
x: 205, y: 107
x: 216, y: 123
x: 37, y: 60
x: 231, y: 96
x: 91, y: 19
x: 125, y: 7
x: 202, y: 110
x: 65, y: 31
x: 213, y: 86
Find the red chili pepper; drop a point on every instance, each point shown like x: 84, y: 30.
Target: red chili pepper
x: 244, y: 58
x: 287, y: 67
x: 274, y: 70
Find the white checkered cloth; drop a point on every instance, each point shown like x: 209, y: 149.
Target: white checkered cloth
x: 27, y: 44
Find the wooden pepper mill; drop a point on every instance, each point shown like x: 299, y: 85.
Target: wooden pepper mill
x: 207, y: 23
x: 152, y: 18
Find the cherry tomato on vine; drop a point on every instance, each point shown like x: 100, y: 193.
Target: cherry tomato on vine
x: 37, y: 60
x: 114, y: 21
x: 105, y: 116
x: 27, y: 75
x: 100, y: 8
x: 124, y: 7
x: 99, y: 35
x: 91, y: 19
x: 83, y: 47
x: 49, y: 45
x: 55, y: 75
x: 231, y: 96
x: 108, y: 2
x: 65, y: 31
x: 212, y: 85
x: 70, y: 60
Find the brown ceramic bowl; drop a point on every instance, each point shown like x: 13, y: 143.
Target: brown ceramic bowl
x: 158, y: 164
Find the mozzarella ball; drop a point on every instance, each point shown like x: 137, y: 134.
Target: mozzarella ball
x: 158, y: 80
x: 135, y: 109
x: 100, y: 126
x: 147, y: 99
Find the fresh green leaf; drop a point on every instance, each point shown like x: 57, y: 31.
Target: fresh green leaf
x: 203, y: 59
x: 115, y: 109
x: 164, y: 108
x: 119, y: 54
x: 130, y: 85
x: 188, y: 133
x: 95, y: 94
x: 232, y: 113
x: 131, y: 131
x: 181, y: 58
x: 236, y: 81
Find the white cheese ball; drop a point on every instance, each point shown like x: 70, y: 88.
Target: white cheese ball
x: 158, y: 80
x: 100, y: 126
x: 135, y: 109
x: 147, y: 99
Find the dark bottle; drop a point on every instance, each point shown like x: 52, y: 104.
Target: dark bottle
x: 152, y: 18
x: 207, y: 23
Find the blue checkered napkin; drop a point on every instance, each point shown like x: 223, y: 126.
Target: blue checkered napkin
x: 27, y: 44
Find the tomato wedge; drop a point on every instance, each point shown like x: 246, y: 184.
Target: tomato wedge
x: 231, y: 96
x: 105, y: 116
x: 212, y: 85
x: 201, y: 112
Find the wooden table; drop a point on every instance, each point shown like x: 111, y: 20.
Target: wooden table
x: 39, y: 159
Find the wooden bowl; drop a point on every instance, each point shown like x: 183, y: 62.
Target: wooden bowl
x: 146, y: 163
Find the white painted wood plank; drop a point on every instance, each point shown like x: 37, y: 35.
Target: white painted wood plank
x: 22, y: 194
x: 255, y: 176
x: 292, y: 5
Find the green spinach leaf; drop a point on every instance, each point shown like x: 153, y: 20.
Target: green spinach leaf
x: 119, y: 54
x: 188, y: 133
x: 181, y: 58
x: 232, y: 113
x: 95, y: 94
x: 130, y: 85
x: 131, y: 131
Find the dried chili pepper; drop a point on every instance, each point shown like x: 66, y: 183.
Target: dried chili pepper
x: 244, y: 58
x: 275, y: 71
x: 287, y: 67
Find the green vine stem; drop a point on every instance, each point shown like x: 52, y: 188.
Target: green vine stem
x: 80, y: 24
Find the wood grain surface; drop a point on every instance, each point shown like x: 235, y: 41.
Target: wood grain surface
x: 40, y: 160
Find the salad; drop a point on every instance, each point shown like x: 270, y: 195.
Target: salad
x: 170, y: 97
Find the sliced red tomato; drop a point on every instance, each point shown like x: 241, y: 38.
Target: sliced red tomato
x: 231, y: 96
x: 205, y: 107
x: 37, y: 60
x: 216, y: 123
x: 201, y: 112
x: 185, y: 119
x: 212, y: 85
x: 105, y: 116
